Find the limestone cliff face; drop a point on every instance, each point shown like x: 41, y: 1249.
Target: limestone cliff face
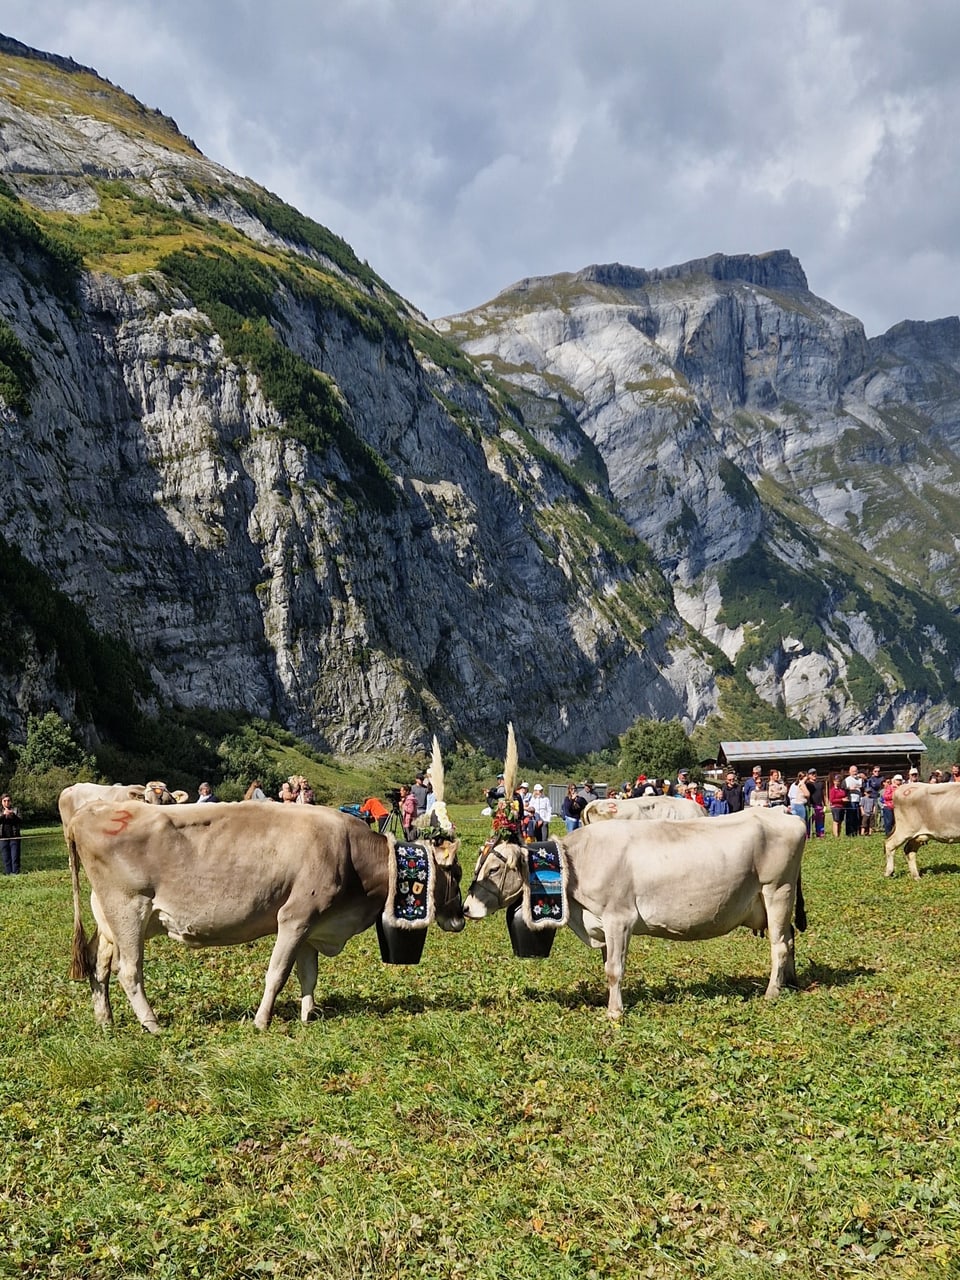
x: 380, y: 563
x: 753, y: 436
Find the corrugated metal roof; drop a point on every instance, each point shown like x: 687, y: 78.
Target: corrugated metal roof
x: 855, y: 745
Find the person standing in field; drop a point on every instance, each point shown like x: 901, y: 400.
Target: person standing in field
x: 799, y: 797
x: 544, y: 810
x: 10, y: 824
x: 837, y: 798
x: 853, y: 784
x: 572, y: 807
x: 886, y: 802
x: 408, y: 809
x: 776, y: 790
x: 872, y: 787
x: 815, y: 789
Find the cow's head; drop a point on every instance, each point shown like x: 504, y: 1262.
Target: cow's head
x: 497, y: 879
x: 447, y: 902
x: 158, y: 793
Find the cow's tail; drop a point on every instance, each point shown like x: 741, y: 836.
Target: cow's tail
x: 80, y: 956
x: 799, y: 910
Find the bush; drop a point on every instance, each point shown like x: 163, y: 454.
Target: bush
x: 36, y: 794
x: 655, y: 748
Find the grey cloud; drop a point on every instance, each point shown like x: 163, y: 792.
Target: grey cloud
x: 460, y: 146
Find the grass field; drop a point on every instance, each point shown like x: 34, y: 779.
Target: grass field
x: 478, y: 1116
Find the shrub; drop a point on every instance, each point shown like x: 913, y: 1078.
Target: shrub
x: 36, y: 794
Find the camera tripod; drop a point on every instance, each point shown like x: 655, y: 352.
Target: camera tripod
x: 394, y: 823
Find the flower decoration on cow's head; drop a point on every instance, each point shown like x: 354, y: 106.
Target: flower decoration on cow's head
x: 436, y: 825
x: 506, y: 819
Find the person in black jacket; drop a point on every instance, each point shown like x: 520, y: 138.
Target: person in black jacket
x: 10, y: 824
x: 815, y: 789
x: 732, y: 792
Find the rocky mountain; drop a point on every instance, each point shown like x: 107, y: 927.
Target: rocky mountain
x: 795, y: 481
x: 242, y: 473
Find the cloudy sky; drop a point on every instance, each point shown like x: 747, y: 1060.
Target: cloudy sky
x: 459, y: 145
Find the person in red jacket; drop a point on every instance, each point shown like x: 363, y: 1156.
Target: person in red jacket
x: 837, y: 798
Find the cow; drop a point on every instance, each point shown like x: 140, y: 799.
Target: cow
x: 673, y: 807
x: 922, y: 811
x: 218, y: 875
x: 685, y: 881
x: 80, y: 793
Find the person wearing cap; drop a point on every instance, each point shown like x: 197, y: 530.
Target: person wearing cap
x: 496, y: 792
x: 543, y: 810
x: 419, y: 793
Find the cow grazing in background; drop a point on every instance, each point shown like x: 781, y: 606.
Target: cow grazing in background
x: 922, y: 811
x: 682, y: 880
x: 218, y: 875
x: 674, y: 808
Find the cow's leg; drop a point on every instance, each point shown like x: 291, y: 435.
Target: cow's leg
x: 289, y: 939
x: 779, y: 901
x: 307, y: 969
x: 130, y: 932
x: 617, y: 934
x: 910, y: 849
x: 890, y: 846
x: 101, y: 963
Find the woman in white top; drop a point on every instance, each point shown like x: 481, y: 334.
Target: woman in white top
x: 798, y: 796
x: 543, y: 809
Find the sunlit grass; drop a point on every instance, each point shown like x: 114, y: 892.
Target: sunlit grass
x: 477, y: 1115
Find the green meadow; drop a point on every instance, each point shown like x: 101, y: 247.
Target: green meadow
x: 477, y: 1115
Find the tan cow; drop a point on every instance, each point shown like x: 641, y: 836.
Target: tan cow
x: 222, y: 874
x: 922, y: 811
x: 672, y: 807
x: 80, y: 793
x: 684, y: 881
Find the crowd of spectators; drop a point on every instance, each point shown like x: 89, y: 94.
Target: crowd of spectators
x: 860, y: 801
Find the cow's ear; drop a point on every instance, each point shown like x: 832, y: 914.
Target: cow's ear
x: 445, y: 852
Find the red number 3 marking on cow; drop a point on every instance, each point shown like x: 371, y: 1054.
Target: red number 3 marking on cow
x: 123, y: 818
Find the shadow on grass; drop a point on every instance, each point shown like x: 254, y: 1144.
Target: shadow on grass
x: 716, y: 986
x: 937, y: 869
x: 334, y: 1006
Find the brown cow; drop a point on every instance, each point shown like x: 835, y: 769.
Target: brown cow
x: 222, y: 874
x: 922, y: 811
